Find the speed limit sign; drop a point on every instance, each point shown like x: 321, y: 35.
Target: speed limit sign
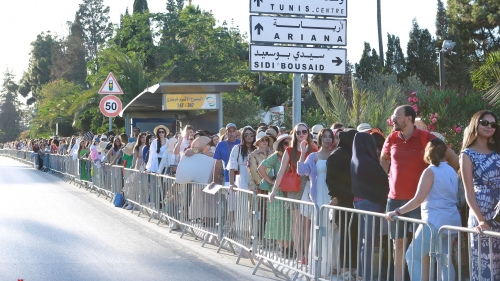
x: 110, y: 106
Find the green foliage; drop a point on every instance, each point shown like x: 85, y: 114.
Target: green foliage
x: 9, y: 112
x: 487, y: 77
x: 272, y: 95
x: 140, y: 6
x: 454, y: 111
x: 395, y: 61
x: 241, y: 108
x: 475, y: 23
x: 368, y: 64
x: 93, y: 17
x: 197, y: 50
x: 422, y: 57
x: 56, y: 99
x: 365, y: 107
x: 40, y: 64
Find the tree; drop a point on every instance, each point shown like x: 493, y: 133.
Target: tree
x: 199, y: 50
x: 68, y: 56
x: 395, y: 60
x: 422, y: 57
x: 272, y: 95
x: 476, y: 24
x: 140, y: 6
x: 441, y: 23
x: 487, y: 77
x: 368, y: 64
x: 9, y: 112
x: 40, y: 64
x: 240, y: 108
x: 94, y: 17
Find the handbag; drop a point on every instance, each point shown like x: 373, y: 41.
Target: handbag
x: 290, y: 182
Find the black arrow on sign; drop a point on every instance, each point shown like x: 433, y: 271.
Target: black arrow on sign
x: 338, y: 61
x: 258, y: 3
x: 259, y: 28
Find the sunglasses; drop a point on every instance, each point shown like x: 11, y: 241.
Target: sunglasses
x: 191, y: 138
x: 303, y: 132
x: 265, y: 139
x: 287, y: 143
x: 485, y: 123
x: 248, y: 135
x: 161, y: 132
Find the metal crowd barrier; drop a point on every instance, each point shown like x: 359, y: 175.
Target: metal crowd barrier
x: 290, y: 237
x: 465, y: 267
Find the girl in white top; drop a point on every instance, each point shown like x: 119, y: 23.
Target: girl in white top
x: 437, y: 195
x: 157, y: 149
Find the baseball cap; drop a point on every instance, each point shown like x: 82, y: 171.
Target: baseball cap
x: 231, y: 125
x: 364, y: 127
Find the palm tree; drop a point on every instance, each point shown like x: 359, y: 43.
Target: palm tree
x: 487, y: 77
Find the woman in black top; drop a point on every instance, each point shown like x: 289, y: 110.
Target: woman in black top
x: 338, y: 180
x: 370, y: 187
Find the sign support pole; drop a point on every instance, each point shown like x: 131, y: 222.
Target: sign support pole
x: 297, y: 98
x: 110, y: 124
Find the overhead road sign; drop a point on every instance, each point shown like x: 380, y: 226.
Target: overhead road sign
x: 329, y: 8
x: 110, y: 106
x: 297, y: 59
x: 110, y: 86
x: 298, y: 30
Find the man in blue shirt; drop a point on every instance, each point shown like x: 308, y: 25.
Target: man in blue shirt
x: 222, y: 152
x: 221, y: 156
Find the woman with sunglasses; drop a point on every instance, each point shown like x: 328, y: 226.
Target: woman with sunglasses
x: 237, y: 166
x: 315, y: 168
x: 157, y: 149
x: 479, y: 162
x: 277, y: 218
x: 300, y: 223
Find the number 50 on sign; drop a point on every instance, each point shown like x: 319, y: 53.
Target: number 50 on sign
x: 110, y: 106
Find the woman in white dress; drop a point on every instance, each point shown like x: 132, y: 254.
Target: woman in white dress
x: 238, y: 166
x: 315, y: 167
x: 157, y: 149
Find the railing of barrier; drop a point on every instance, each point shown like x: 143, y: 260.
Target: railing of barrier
x: 453, y: 263
x: 292, y: 237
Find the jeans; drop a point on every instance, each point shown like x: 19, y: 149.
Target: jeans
x: 398, y: 227
x: 421, y: 246
x: 369, y: 232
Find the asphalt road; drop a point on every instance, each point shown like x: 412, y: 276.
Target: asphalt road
x: 51, y: 230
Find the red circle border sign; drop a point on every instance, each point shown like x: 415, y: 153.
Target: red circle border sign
x: 110, y: 106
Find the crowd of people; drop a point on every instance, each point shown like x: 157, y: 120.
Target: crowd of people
x: 408, y: 173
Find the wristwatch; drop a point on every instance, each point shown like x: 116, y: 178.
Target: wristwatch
x: 195, y: 150
x: 397, y: 212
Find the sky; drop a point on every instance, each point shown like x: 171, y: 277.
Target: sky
x: 22, y: 20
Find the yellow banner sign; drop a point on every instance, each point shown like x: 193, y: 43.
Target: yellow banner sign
x: 189, y: 101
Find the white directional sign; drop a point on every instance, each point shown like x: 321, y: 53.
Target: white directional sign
x: 329, y: 8
x: 297, y: 59
x: 298, y: 30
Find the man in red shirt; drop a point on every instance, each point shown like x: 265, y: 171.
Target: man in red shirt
x: 403, y: 158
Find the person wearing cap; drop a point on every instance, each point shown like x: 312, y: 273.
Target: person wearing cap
x: 158, y: 149
x: 135, y: 133
x: 263, y: 144
x: 222, y: 153
x: 363, y: 127
x: 315, y: 131
x: 277, y: 218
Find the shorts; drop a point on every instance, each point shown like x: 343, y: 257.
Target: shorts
x: 392, y: 204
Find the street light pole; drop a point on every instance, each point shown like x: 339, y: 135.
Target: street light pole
x: 447, y: 47
x: 441, y: 70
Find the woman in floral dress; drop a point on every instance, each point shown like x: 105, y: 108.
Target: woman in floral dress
x: 480, y: 169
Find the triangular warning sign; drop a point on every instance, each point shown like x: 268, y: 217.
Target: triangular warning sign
x: 110, y: 86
